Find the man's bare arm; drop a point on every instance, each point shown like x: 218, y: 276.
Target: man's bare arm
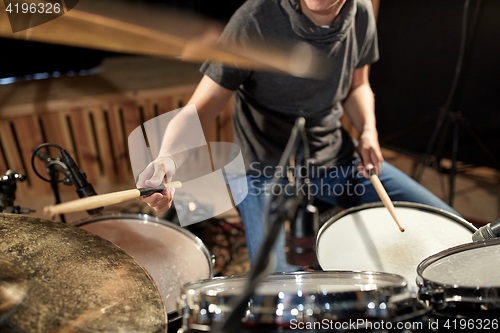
x: 360, y: 107
x: 209, y: 99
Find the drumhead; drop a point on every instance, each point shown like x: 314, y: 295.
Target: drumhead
x: 468, y: 265
x: 172, y: 255
x: 367, y: 238
x: 303, y: 296
x: 463, y: 279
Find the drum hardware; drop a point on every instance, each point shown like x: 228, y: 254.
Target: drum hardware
x: 463, y: 280
x: 8, y: 187
x: 172, y: 255
x: 281, y: 208
x: 62, y: 278
x: 364, y: 238
x: 65, y: 165
x: 488, y: 231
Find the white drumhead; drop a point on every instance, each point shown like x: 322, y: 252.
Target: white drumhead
x: 368, y: 239
x: 475, y: 267
x: 170, y: 256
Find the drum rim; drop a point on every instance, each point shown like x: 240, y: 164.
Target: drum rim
x: 153, y: 219
x: 425, y: 282
x: 277, y: 275
x: 405, y: 204
x: 193, y: 301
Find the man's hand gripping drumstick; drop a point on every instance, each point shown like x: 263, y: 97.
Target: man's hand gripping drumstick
x: 157, y: 172
x: 150, y: 189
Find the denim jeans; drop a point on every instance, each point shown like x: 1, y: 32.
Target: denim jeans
x: 342, y: 186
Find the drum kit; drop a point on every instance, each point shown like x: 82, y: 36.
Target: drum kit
x: 138, y: 273
x: 127, y: 272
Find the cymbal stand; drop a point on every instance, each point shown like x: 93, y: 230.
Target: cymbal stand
x: 8, y: 187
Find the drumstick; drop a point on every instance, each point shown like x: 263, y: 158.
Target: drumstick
x: 385, y: 199
x: 104, y: 199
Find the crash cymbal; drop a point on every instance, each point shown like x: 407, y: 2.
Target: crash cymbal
x: 13, y: 288
x: 65, y: 279
x: 157, y: 31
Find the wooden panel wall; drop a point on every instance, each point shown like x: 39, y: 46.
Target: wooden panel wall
x: 94, y: 131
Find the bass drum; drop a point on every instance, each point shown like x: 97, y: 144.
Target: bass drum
x: 172, y: 255
x: 463, y: 281
x: 366, y: 238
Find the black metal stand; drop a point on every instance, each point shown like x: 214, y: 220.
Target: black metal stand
x: 279, y: 209
x: 449, y: 118
x: 54, y: 184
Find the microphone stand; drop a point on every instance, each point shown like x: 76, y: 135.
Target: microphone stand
x: 73, y: 175
x: 53, y: 167
x: 279, y: 209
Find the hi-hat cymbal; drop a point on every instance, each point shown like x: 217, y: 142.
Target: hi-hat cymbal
x: 69, y: 280
x: 129, y: 28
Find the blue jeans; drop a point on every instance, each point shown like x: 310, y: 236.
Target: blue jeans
x: 342, y: 186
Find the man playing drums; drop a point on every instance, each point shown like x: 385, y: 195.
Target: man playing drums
x: 267, y: 104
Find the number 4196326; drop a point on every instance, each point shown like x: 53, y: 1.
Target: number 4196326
x: 41, y: 8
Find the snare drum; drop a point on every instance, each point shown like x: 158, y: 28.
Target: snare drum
x: 172, y: 255
x: 287, y: 301
x: 463, y: 280
x: 366, y: 238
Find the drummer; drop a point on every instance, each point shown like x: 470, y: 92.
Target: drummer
x: 267, y: 104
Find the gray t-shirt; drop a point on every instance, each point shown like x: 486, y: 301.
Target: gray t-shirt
x: 267, y: 104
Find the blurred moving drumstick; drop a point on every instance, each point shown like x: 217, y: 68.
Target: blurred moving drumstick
x: 385, y: 199
x: 104, y: 199
x: 161, y: 32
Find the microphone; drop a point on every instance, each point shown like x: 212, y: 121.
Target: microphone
x: 489, y: 231
x: 300, y: 236
x: 83, y: 188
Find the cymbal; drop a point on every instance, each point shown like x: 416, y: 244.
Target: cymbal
x: 13, y: 288
x: 66, y: 279
x: 157, y: 31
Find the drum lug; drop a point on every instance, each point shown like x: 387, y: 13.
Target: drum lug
x: 212, y: 258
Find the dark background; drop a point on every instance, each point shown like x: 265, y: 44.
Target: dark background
x: 419, y: 45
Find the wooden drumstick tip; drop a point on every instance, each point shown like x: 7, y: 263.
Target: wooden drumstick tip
x: 176, y: 184
x: 384, y: 197
x: 47, y: 210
